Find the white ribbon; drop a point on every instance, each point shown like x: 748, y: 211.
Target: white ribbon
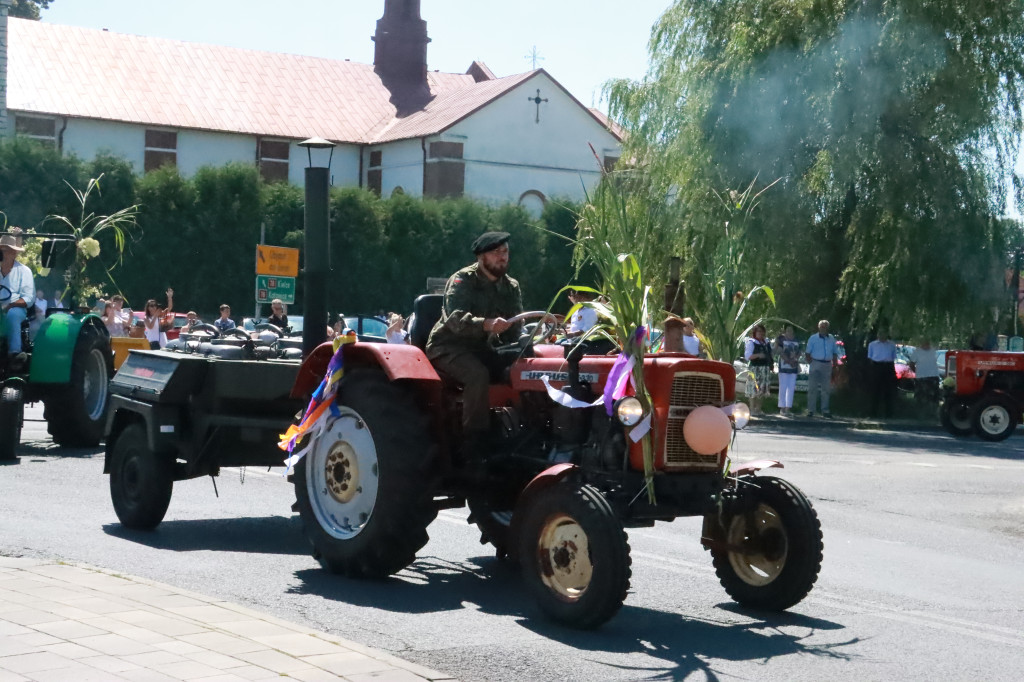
x: 566, y: 400
x: 641, y: 429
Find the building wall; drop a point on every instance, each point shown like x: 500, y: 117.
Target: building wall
x: 508, y: 153
x: 402, y: 166
x: 5, y: 126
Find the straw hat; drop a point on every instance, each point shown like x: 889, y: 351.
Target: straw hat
x: 10, y: 241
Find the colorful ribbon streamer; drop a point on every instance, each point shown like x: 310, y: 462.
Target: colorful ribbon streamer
x: 321, y: 406
x: 622, y: 370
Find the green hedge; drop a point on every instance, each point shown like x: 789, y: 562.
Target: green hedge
x: 199, y: 234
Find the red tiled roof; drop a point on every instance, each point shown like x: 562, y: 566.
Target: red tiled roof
x: 87, y: 73
x: 449, y: 108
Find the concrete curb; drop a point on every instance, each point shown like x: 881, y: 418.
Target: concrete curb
x: 777, y: 422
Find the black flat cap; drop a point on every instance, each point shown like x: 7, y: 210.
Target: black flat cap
x: 489, y: 241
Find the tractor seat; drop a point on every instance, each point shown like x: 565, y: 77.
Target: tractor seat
x: 426, y: 311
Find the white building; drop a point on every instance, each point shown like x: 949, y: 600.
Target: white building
x: 397, y: 125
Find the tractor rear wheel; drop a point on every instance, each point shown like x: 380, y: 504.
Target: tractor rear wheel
x: 141, y: 481
x: 770, y: 547
x: 574, y: 554
x: 364, y: 489
x: 11, y: 413
x: 955, y: 416
x: 76, y: 414
x: 995, y: 417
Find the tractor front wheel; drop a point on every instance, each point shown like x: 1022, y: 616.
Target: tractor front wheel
x: 75, y: 415
x: 364, y: 488
x: 995, y: 417
x: 11, y: 416
x: 574, y: 554
x: 768, y: 550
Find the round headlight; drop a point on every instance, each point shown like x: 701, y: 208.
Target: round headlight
x: 629, y: 411
x: 740, y: 416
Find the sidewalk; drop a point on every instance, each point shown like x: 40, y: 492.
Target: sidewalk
x: 75, y: 623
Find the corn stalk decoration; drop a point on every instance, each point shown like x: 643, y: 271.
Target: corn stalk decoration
x: 86, y: 230
x: 611, y: 223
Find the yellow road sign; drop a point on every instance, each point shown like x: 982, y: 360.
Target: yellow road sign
x: 277, y: 260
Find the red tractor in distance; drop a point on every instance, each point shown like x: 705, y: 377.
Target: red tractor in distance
x: 983, y: 393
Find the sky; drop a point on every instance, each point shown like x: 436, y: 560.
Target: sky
x: 581, y: 43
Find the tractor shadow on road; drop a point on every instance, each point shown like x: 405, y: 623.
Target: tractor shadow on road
x: 429, y: 585
x: 432, y: 585
x: 691, y: 645
x: 257, y: 535
x: 45, y: 450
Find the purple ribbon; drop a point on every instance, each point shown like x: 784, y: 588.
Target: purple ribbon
x: 622, y: 366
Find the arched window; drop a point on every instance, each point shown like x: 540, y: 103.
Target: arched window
x: 533, y: 202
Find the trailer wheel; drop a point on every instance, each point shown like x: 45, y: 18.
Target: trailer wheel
x: 364, y: 489
x: 75, y: 415
x: 141, y: 481
x: 995, y: 417
x: 10, y: 421
x: 955, y: 416
x: 574, y: 555
x: 772, y: 549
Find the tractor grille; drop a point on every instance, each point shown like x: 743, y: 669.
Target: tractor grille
x: 689, y: 390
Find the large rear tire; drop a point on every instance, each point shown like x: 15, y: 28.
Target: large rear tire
x: 955, y: 416
x: 76, y: 414
x: 364, y: 489
x: 574, y: 554
x: 141, y: 481
x: 11, y: 417
x: 770, y: 547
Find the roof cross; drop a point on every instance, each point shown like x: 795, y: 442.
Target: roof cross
x: 537, y: 100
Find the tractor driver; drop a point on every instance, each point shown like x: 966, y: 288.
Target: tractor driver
x: 17, y: 277
x: 478, y: 300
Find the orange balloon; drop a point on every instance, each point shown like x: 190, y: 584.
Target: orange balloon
x: 707, y: 430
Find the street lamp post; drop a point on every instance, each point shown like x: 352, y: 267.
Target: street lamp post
x: 316, y: 258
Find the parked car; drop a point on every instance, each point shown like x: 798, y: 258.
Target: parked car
x: 742, y: 373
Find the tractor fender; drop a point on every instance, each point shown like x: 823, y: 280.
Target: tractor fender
x: 399, y: 361
x: 54, y: 346
x: 162, y: 423
x: 545, y: 479
x: 748, y: 468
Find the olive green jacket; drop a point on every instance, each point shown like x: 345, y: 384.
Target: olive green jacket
x: 469, y: 299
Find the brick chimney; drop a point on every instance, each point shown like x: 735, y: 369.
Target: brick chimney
x: 400, y: 50
x: 4, y: 121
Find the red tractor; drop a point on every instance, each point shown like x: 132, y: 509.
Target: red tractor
x: 555, y: 493
x: 561, y: 484
x: 984, y: 391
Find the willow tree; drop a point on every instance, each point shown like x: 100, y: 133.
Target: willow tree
x: 891, y: 125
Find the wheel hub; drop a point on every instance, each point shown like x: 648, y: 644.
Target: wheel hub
x: 994, y: 419
x: 342, y: 472
x: 565, y: 562
x: 764, y: 545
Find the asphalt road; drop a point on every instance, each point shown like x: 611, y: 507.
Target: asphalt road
x: 921, y: 580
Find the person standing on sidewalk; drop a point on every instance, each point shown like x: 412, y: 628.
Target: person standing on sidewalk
x: 882, y: 359
x: 758, y: 353
x: 822, y: 353
x: 925, y: 363
x: 787, y: 350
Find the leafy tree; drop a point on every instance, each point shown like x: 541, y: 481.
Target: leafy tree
x: 892, y: 126
x: 28, y: 9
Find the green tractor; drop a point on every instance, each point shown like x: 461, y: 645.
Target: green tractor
x: 67, y: 365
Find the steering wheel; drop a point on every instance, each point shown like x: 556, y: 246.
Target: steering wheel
x: 204, y: 327
x: 3, y: 297
x: 547, y: 325
x: 235, y: 331
x: 263, y: 326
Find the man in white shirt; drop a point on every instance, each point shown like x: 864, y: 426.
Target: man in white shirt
x: 882, y: 361
x: 822, y: 352
x: 19, y: 293
x: 925, y: 364
x: 41, y: 304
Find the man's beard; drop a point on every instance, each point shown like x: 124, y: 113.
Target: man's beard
x: 497, y: 270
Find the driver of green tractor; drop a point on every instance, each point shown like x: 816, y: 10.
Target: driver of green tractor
x: 478, y: 300
x: 17, y: 278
